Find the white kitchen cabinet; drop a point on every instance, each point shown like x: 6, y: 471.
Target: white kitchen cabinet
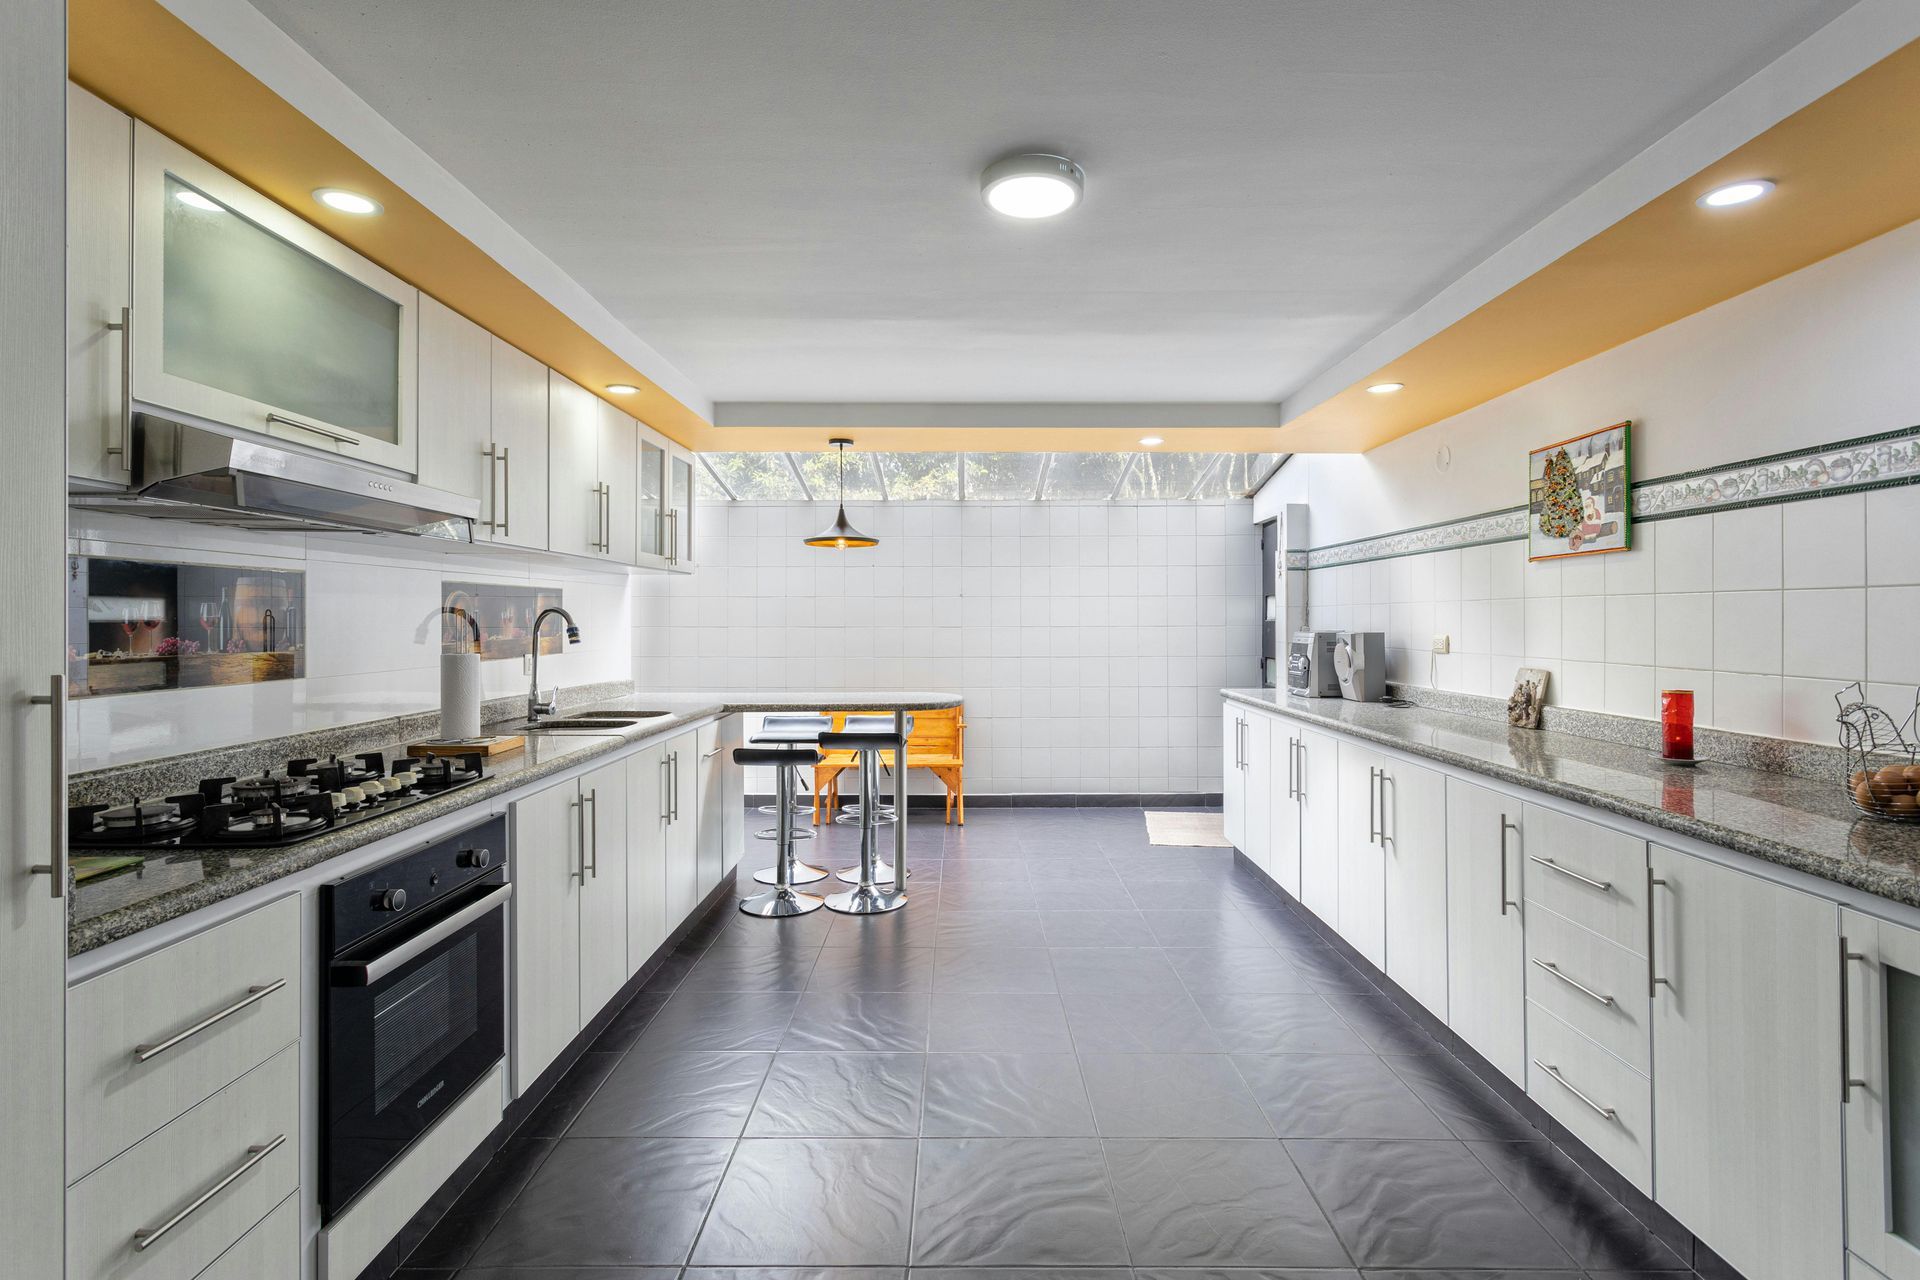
x: 547, y: 886
x: 99, y: 289
x: 647, y: 924
x: 283, y: 331
x: 618, y: 460
x: 517, y: 502
x: 733, y: 792
x: 1880, y: 1059
x: 711, y: 807
x: 650, y: 513
x: 1590, y: 874
x: 270, y: 1251
x: 1747, y: 1067
x: 1233, y: 790
x: 1413, y: 835
x: 679, y: 509
x: 456, y: 409
x: 603, y: 891
x: 1283, y: 806
x: 575, y: 512
x: 1486, y: 940
x: 1258, y: 772
x: 1317, y: 778
x: 1362, y: 912
x: 682, y: 845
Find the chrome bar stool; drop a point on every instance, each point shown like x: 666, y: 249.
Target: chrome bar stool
x: 800, y: 730
x: 872, y: 892
x: 883, y: 813
x: 780, y: 900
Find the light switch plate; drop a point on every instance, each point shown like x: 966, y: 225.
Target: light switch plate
x: 1443, y: 644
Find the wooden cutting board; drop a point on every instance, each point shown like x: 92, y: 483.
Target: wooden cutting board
x: 497, y: 746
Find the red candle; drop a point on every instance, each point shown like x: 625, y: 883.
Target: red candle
x: 1676, y: 724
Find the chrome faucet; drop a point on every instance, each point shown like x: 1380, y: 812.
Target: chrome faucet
x: 536, y: 707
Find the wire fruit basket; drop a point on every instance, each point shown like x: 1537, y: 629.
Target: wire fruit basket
x: 1883, y: 757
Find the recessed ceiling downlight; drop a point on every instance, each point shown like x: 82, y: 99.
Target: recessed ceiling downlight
x: 1735, y: 193
x: 194, y: 200
x: 621, y: 389
x: 1036, y: 185
x: 343, y: 201
x: 1386, y: 388
x: 1151, y: 441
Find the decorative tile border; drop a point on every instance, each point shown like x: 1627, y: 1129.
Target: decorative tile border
x: 1846, y: 466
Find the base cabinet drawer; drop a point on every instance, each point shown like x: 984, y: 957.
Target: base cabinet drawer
x: 167, y: 1208
x: 1600, y: 1099
x: 152, y: 1038
x: 1595, y: 987
x: 1592, y: 875
x: 271, y: 1251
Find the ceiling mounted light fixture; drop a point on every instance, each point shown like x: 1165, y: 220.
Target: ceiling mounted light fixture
x: 194, y: 200
x: 1735, y: 193
x: 621, y: 389
x: 343, y: 201
x: 1151, y: 441
x: 840, y: 534
x: 1386, y: 388
x: 1035, y: 185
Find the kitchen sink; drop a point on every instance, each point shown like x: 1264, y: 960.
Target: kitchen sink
x: 602, y: 721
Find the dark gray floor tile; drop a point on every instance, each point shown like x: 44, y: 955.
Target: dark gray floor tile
x: 909, y: 926
x: 1278, y: 1023
x: 1499, y: 1274
x: 1171, y: 1095
x: 873, y: 968
x: 452, y: 1241
x: 1223, y: 927
x: 966, y: 1022
x: 858, y: 1021
x: 988, y: 928
x: 792, y: 1273
x: 983, y: 894
x: 994, y: 970
x: 610, y: 1201
x: 1326, y: 971
x: 840, y: 1095
x: 1138, y: 1022
x: 1015, y: 1201
x: 563, y: 1273
x: 671, y: 973
x: 1460, y: 1099
x: 752, y: 969
x: 1382, y: 1024
x: 738, y: 1020
x: 1341, y: 1095
x: 675, y: 1095
x: 981, y: 1095
x: 1020, y: 1273
x: 1115, y: 970
x: 812, y: 1202
x: 1421, y: 1204
x: 503, y: 1177
x: 1236, y: 1204
x: 569, y: 1095
x: 1250, y: 1273
x: 632, y: 1019
x: 1235, y: 970
x: 1095, y: 893
x: 1096, y: 929
x: 1068, y: 872
x: 1590, y: 1224
x: 1180, y: 895
x: 790, y: 933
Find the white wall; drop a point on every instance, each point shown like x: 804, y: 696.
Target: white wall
x: 1090, y: 640
x: 1764, y: 612
x: 364, y: 604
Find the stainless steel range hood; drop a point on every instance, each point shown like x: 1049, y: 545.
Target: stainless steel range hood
x: 188, y: 472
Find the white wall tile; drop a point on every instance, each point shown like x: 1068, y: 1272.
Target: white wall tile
x: 1893, y: 634
x: 1745, y: 703
x: 1747, y: 631
x: 1824, y: 543
x: 1683, y: 554
x: 1630, y: 572
x: 1825, y: 633
x: 1893, y: 521
x: 1583, y: 628
x: 1630, y: 629
x: 1683, y: 630
x: 1746, y: 549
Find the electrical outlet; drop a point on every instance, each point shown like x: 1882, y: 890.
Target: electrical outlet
x: 1443, y: 644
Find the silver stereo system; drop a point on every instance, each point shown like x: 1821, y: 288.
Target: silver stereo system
x: 1360, y: 662
x: 1310, y: 665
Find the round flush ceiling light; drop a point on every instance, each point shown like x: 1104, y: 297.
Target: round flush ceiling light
x: 1151, y: 441
x: 194, y: 200
x: 621, y: 389
x: 1386, y: 388
x: 343, y: 201
x: 1735, y: 193
x: 1032, y: 186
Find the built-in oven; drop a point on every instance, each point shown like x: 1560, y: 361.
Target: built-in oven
x: 414, y: 1010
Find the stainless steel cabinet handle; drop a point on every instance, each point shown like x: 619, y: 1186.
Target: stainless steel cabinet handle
x: 1607, y: 1113
x: 1373, y: 802
x: 580, y: 830
x: 255, y: 994
x: 1386, y: 780
x: 606, y: 518
x: 493, y: 487
x: 146, y: 1237
x: 674, y: 773
x: 1303, y: 769
x: 342, y: 437
x: 1505, y: 827
x: 351, y: 974
x: 593, y: 798
x: 673, y: 537
x: 1848, y: 1082
x: 666, y: 791
x: 1654, y: 980
x: 1604, y: 886
x: 506, y: 485
x: 55, y: 701
x: 125, y: 328
x: 1577, y: 985
x: 708, y: 755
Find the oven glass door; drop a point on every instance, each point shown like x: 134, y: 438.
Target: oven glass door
x: 404, y: 1042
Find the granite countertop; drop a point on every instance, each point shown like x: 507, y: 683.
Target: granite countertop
x: 170, y: 882
x: 1803, y: 823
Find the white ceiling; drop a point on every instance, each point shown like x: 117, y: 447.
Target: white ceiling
x: 783, y: 197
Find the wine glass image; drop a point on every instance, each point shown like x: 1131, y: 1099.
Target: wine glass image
x: 209, y: 619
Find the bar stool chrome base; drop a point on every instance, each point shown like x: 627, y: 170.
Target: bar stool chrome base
x: 797, y: 873
x: 780, y: 902
x: 867, y: 900
x: 882, y: 874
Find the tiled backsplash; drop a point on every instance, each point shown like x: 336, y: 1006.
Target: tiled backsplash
x: 1764, y: 611
x: 1090, y: 640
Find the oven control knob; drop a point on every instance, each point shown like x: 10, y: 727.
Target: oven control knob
x: 478, y: 858
x: 390, y: 900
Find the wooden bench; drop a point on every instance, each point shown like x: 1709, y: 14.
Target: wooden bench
x: 937, y: 744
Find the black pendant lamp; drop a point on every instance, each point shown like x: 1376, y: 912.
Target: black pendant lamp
x: 840, y: 533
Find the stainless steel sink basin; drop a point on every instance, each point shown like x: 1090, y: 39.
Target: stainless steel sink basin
x: 602, y: 721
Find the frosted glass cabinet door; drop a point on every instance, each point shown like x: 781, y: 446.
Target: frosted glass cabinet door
x: 651, y: 531
x: 252, y: 317
x: 680, y: 511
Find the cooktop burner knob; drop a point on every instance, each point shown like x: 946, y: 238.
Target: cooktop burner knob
x: 390, y: 900
x: 337, y: 800
x: 477, y: 858
x: 352, y: 795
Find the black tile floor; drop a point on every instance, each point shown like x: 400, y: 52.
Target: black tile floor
x: 1072, y: 1050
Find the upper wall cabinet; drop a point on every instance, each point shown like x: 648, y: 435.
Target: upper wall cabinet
x: 517, y: 493
x: 618, y: 450
x: 99, y: 288
x: 576, y: 516
x: 254, y: 318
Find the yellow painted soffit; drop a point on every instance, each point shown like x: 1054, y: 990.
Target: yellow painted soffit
x: 142, y: 59
x: 1848, y: 169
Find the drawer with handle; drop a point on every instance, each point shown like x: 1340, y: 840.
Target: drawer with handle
x: 271, y: 1251
x: 152, y: 1038
x: 170, y: 1205
x: 1594, y: 986
x: 1592, y: 875
x: 1600, y: 1099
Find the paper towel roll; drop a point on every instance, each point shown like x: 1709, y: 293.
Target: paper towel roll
x: 459, y: 695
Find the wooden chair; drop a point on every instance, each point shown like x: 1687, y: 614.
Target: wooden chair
x: 937, y: 744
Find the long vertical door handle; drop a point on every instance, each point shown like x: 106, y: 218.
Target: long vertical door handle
x: 1373, y: 800
x: 506, y: 484
x: 125, y: 448
x: 666, y: 792
x: 1848, y: 1081
x: 593, y: 798
x: 673, y: 524
x: 55, y: 701
x: 1654, y: 980
x: 580, y: 832
x: 493, y: 488
x: 1302, y: 744
x: 1386, y: 780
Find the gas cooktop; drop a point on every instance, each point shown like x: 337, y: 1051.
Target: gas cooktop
x: 311, y: 797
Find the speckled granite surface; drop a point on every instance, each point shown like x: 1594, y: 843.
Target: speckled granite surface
x: 170, y: 883
x: 1799, y: 822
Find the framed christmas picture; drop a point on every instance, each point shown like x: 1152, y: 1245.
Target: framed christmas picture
x: 1578, y: 499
